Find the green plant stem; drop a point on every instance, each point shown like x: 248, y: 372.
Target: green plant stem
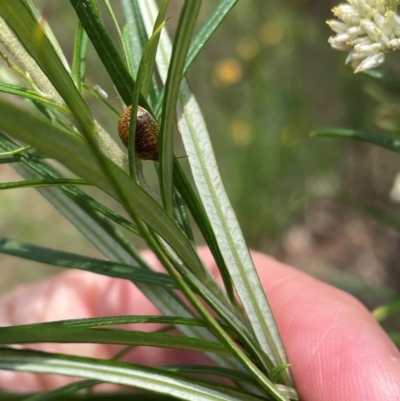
x: 216, y: 328
x: 183, y: 36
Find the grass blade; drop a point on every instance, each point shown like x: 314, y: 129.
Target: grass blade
x: 226, y: 228
x: 106, y: 50
x: 145, y: 70
x: 151, y: 56
x: 380, y: 76
x: 78, y: 70
x: 133, y: 272
x: 200, y: 216
x: 116, y: 248
x: 42, y: 183
x: 183, y: 36
x: 204, y: 34
x: 32, y: 95
x: 33, y: 334
x: 221, y: 216
x: 131, y: 375
x: 135, y: 36
x: 61, y: 391
x: 31, y: 34
x: 114, y: 21
x: 118, y: 320
x: 75, y: 154
x: 384, y: 142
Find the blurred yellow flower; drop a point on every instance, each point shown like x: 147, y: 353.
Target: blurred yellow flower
x: 272, y: 33
x: 247, y: 48
x: 228, y: 72
x: 242, y: 132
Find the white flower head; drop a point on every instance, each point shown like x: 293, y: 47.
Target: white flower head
x: 368, y: 29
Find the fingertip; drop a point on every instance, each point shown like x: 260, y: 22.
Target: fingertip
x: 336, y: 349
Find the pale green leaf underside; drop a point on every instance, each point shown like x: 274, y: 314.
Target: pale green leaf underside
x: 221, y: 215
x: 131, y: 375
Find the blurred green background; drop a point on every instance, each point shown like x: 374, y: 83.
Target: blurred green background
x: 265, y: 80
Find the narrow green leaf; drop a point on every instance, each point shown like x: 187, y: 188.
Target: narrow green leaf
x: 38, y: 14
x: 70, y: 260
x: 106, y: 50
x: 380, y: 76
x: 32, y: 95
x: 104, y: 47
x: 180, y: 180
x: 182, y: 40
x: 136, y: 376
x: 8, y: 159
x: 221, y: 216
x: 75, y: 154
x: 42, y: 183
x: 135, y: 37
x: 118, y: 320
x: 202, y: 37
x: 209, y: 27
x: 15, y: 152
x: 111, y: 244
x: 226, y: 229
x: 181, y: 216
x: 150, y: 54
x: 200, y: 216
x: 115, y: 247
x: 87, y: 395
x: 62, y: 391
x: 147, y: 62
x: 234, y: 319
x: 31, y: 334
x: 277, y: 371
x: 78, y: 69
x: 138, y: 21
x: 212, y: 370
x: 91, y: 205
x: 382, y: 141
x: 384, y: 311
x: 114, y: 21
x: 31, y: 34
x: 205, y: 290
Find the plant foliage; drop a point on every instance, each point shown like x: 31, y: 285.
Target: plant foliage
x: 55, y: 123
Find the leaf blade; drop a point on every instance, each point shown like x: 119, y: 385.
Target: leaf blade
x: 222, y: 218
x: 392, y: 144
x: 141, y: 377
x: 35, y: 253
x: 23, y: 23
x: 33, y: 334
x: 183, y: 36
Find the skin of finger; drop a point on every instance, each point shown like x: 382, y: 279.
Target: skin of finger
x: 75, y: 295
x: 71, y: 295
x: 336, y: 349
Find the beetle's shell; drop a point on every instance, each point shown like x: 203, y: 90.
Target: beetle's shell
x: 147, y: 131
